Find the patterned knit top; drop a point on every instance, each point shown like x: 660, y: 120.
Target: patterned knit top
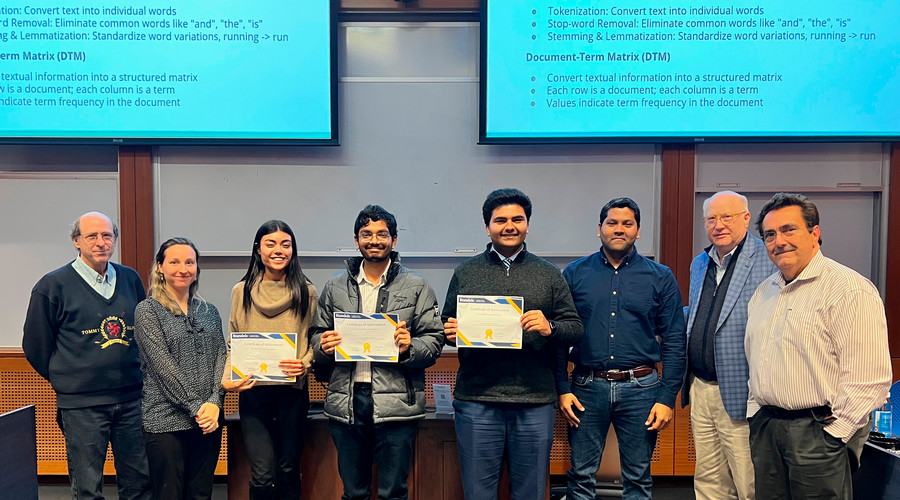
x: 182, y: 358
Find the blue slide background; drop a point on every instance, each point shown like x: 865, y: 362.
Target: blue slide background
x: 827, y: 88
x: 278, y: 88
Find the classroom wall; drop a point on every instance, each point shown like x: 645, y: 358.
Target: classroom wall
x: 408, y: 115
x: 408, y: 118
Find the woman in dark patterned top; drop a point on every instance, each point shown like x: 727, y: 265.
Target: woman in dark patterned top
x: 182, y: 350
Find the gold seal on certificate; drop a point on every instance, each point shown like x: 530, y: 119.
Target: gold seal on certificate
x: 260, y: 353
x: 489, y: 321
x: 366, y: 337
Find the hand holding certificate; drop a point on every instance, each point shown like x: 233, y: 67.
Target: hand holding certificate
x: 260, y: 354
x: 489, y: 321
x: 366, y: 337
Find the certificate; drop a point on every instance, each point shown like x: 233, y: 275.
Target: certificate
x: 260, y: 353
x: 366, y: 337
x: 489, y: 321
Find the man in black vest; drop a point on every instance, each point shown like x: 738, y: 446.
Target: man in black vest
x: 79, y: 335
x: 723, y: 278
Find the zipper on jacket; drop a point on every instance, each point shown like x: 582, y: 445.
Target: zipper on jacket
x: 410, y: 392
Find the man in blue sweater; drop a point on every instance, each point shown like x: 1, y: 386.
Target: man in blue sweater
x: 79, y: 335
x: 626, y: 302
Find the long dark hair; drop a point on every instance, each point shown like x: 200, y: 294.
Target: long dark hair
x: 294, y: 277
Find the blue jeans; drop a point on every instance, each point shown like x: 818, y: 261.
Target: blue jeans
x: 626, y: 405
x: 88, y: 432
x: 487, y: 431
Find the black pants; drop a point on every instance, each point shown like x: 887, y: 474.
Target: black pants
x: 273, y: 419
x: 182, y: 464
x: 364, y: 443
x: 794, y: 458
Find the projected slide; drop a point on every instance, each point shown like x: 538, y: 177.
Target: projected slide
x: 690, y: 69
x: 150, y: 69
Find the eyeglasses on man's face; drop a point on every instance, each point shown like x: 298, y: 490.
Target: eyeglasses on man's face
x: 786, y: 232
x: 726, y: 219
x: 369, y: 236
x: 93, y: 237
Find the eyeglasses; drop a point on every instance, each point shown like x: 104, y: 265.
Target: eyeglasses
x: 93, y: 237
x: 380, y: 235
x: 726, y: 219
x: 786, y: 232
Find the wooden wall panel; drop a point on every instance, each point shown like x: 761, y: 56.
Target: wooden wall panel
x: 136, y: 240
x: 20, y: 386
x: 892, y: 271
x: 684, y: 460
x: 676, y: 227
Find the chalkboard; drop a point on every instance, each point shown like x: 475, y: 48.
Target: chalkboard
x: 845, y: 180
x: 38, y: 210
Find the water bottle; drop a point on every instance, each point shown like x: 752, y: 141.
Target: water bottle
x: 883, y: 418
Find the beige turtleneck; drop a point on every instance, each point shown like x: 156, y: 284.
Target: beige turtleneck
x: 270, y: 313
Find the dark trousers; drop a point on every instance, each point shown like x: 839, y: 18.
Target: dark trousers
x: 364, y: 443
x: 88, y: 432
x: 489, y: 433
x: 273, y: 419
x: 794, y: 458
x: 183, y: 463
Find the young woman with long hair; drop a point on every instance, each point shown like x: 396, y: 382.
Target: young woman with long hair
x: 274, y: 296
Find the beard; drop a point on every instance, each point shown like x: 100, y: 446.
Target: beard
x: 375, y: 258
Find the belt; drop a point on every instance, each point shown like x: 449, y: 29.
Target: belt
x: 818, y: 413
x: 617, y: 375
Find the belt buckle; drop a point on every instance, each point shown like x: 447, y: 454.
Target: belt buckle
x: 611, y: 373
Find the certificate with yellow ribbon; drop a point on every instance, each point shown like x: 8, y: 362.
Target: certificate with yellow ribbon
x: 260, y: 353
x: 366, y: 337
x: 489, y: 321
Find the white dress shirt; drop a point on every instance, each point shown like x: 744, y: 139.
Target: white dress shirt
x: 819, y: 340
x: 368, y: 297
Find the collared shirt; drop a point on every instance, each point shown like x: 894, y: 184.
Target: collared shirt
x: 368, y: 299
x: 511, y: 257
x: 721, y: 265
x: 105, y: 285
x: 624, y: 310
x: 819, y: 340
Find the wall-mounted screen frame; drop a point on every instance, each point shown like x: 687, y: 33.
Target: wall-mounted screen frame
x: 169, y: 72
x: 657, y: 71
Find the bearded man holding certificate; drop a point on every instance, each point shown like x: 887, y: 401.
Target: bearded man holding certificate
x: 505, y: 395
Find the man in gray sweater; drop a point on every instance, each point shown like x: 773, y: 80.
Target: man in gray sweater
x: 505, y: 398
